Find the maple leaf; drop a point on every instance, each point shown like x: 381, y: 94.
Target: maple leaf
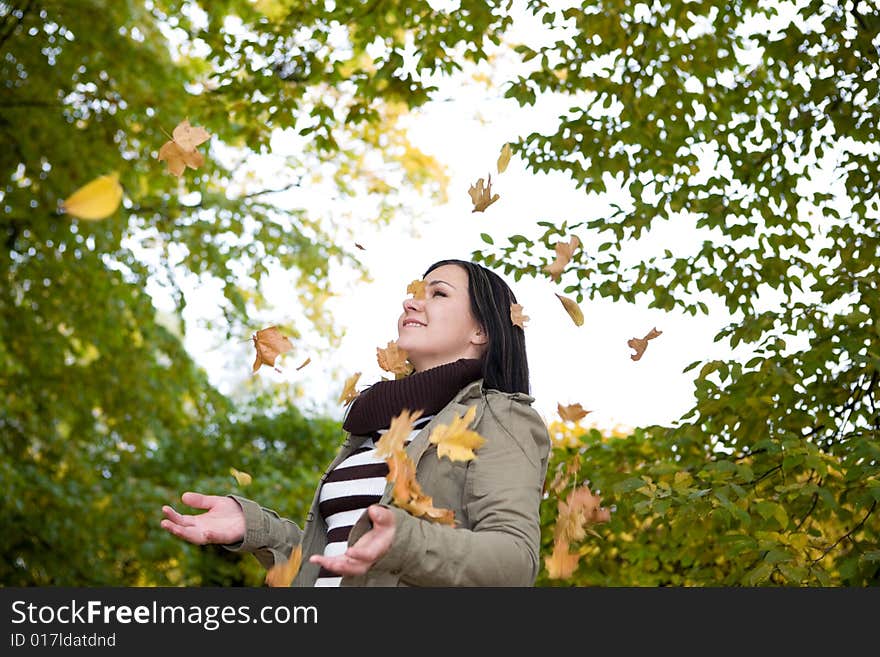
x: 282, y: 574
x: 640, y: 344
x: 423, y: 505
x: 243, y: 478
x: 517, y: 317
x: 481, y: 197
x: 305, y: 362
x: 561, y: 564
x: 269, y: 343
x: 348, y: 393
x: 417, y: 289
x: 572, y: 309
x: 180, y: 152
x: 394, y: 359
x: 564, y: 252
x: 95, y: 200
x: 504, y: 158
x: 578, y: 510
x: 572, y: 412
x: 394, y: 439
x: 456, y: 441
x: 406, y: 492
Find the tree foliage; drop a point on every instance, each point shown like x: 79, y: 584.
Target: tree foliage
x: 104, y: 416
x: 756, y: 123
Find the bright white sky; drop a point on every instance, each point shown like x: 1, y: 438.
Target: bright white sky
x: 589, y: 364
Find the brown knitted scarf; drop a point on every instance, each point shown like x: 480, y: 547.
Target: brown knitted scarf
x: 429, y: 390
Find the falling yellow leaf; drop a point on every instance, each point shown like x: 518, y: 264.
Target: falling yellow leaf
x: 283, y: 574
x: 349, y: 394
x: 572, y: 412
x: 572, y: 309
x: 517, y: 317
x: 269, y: 343
x: 456, y: 441
x: 407, y: 493
x: 504, y: 158
x: 180, y: 152
x: 564, y: 253
x: 482, y: 197
x: 640, y: 344
x: 243, y: 478
x: 95, y: 200
x: 394, y: 359
x: 305, y: 362
x: 399, y: 430
x: 417, y: 289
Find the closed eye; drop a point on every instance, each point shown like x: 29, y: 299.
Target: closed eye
x: 438, y: 293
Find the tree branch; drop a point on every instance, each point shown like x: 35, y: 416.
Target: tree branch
x: 847, y: 535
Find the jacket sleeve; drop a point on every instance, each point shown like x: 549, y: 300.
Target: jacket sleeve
x: 501, y: 499
x: 268, y: 536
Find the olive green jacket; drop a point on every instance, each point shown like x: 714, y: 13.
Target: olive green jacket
x: 495, y: 497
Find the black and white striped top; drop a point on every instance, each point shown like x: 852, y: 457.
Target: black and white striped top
x: 347, y: 491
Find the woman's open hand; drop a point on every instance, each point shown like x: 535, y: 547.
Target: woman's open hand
x: 358, y: 558
x: 222, y: 523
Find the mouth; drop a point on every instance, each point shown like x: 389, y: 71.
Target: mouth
x: 412, y: 323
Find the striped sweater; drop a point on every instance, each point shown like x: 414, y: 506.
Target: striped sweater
x: 347, y: 491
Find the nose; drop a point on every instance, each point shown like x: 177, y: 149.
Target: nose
x: 412, y: 304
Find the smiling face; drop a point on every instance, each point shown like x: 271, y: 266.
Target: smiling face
x: 440, y: 328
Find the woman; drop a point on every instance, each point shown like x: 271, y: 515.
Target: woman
x: 465, y: 352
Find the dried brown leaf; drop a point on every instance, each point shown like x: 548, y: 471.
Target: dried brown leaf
x: 517, y: 317
x: 640, y: 344
x: 269, y: 343
x: 482, y: 197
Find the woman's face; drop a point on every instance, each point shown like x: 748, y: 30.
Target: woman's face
x: 440, y: 328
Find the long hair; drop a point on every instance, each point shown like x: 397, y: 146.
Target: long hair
x: 505, y: 364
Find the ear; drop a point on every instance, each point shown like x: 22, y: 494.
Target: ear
x: 480, y: 337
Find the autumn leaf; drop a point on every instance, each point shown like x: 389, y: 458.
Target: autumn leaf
x: 359, y: 246
x: 305, y: 362
x: 95, y: 200
x: 394, y: 359
x: 572, y: 309
x: 564, y: 252
x: 640, y: 344
x: 349, y: 394
x: 579, y: 509
x: 180, y: 152
x: 561, y: 564
x: 517, y: 317
x: 407, y: 493
x: 269, y: 343
x: 482, y: 197
x: 399, y: 430
x: 243, y: 478
x: 504, y: 158
x: 417, y: 289
x: 571, y: 412
x: 283, y: 574
x: 456, y: 441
